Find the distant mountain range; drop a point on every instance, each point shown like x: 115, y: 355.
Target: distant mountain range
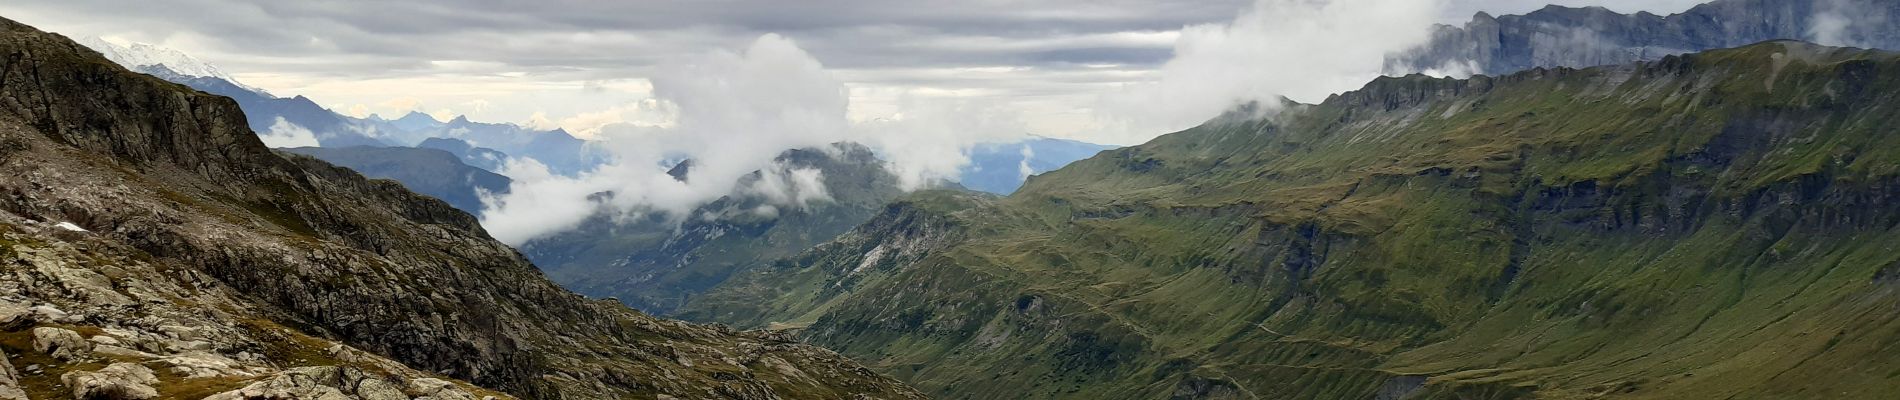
x: 1558, y: 36
x: 433, y: 172
x: 269, y: 115
x: 1000, y: 168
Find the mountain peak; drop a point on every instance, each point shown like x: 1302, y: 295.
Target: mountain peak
x: 139, y: 56
x: 419, y: 117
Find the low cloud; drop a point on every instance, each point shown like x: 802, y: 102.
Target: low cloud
x: 732, y: 114
x: 286, y: 134
x: 1023, y: 167
x: 1848, y: 22
x: 736, y: 111
x: 1302, y: 49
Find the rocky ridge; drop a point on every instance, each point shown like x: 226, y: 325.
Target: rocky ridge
x: 1578, y: 37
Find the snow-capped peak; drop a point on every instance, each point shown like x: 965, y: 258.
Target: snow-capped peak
x: 141, y: 56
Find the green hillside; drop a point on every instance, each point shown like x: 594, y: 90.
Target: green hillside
x: 1716, y: 225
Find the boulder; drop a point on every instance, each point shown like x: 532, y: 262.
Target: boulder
x: 60, y: 343
x: 120, y: 381
x: 15, y: 315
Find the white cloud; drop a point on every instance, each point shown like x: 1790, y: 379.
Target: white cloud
x: 1023, y: 168
x: 929, y: 139
x: 735, y: 113
x: 1846, y: 22
x: 1302, y: 49
x: 286, y: 134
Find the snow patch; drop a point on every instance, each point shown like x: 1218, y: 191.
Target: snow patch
x: 70, y: 226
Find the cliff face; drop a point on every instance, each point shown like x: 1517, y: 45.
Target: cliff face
x: 1559, y: 36
x: 166, y: 184
x: 1710, y: 225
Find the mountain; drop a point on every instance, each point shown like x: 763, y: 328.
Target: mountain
x: 656, y: 262
x: 432, y: 172
x: 1558, y: 36
x: 480, y: 157
x: 146, y: 58
x: 1000, y: 168
x: 154, y: 247
x: 416, y: 121
x: 1711, y: 225
x: 266, y: 113
x: 559, y: 151
x: 296, y: 116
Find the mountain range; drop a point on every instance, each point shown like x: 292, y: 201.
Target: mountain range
x: 658, y: 261
x: 1558, y: 36
x: 1709, y: 225
x: 153, y: 247
x: 298, y: 115
x: 432, y: 172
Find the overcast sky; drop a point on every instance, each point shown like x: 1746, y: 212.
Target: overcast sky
x: 582, y: 64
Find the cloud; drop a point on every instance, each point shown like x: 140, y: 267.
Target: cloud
x: 735, y: 113
x: 286, y: 134
x: 1023, y: 168
x: 928, y: 140
x: 1847, y: 22
x: 1303, y: 49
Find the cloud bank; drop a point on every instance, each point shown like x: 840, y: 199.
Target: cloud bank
x: 732, y: 114
x: 1847, y: 22
x: 1301, y: 49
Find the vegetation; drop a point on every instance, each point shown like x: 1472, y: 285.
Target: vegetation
x: 1713, y: 225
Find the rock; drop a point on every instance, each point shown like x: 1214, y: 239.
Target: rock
x: 14, y: 316
x: 120, y: 381
x: 49, y: 313
x: 116, y: 351
x: 432, y: 388
x: 9, y: 380
x: 378, y: 389
x: 60, y: 343
x: 104, y: 340
x: 313, y: 383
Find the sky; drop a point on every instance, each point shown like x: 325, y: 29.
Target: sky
x: 1057, y: 67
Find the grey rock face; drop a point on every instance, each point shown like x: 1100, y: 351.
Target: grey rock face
x: 1559, y: 36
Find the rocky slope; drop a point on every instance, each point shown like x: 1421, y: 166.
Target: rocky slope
x: 1713, y: 225
x: 657, y: 262
x: 1558, y: 36
x: 142, y: 213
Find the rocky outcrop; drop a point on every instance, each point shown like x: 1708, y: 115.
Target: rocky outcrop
x: 60, y: 343
x: 119, y: 381
x: 1559, y: 36
x: 195, y: 248
x: 330, y: 382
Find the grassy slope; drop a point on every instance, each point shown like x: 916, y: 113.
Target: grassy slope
x: 1703, y: 226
